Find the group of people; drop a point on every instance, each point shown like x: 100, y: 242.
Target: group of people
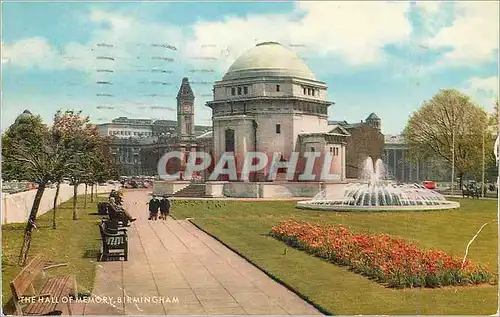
x: 115, y: 202
x: 158, y: 204
x: 117, y: 195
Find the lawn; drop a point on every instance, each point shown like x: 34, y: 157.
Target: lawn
x: 244, y: 226
x: 75, y: 242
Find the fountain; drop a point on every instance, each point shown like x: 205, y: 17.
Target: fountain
x: 374, y: 192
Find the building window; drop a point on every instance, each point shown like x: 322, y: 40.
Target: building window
x: 308, y: 91
x: 245, y: 90
x: 313, y: 91
x: 305, y: 90
x: 331, y: 149
x: 277, y: 87
x: 229, y: 136
x: 233, y: 91
x: 239, y: 91
x: 312, y: 149
x: 278, y: 128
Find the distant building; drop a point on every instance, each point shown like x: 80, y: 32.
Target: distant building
x: 365, y: 140
x: 400, y: 168
x: 138, y: 144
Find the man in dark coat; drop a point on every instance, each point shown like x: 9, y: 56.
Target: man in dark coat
x: 154, y: 204
x: 164, y: 208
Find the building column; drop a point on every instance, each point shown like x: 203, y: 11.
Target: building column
x: 342, y: 167
x: 409, y: 177
x: 403, y: 165
x: 395, y: 165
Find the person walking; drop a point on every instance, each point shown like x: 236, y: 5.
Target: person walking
x: 164, y: 208
x: 154, y: 204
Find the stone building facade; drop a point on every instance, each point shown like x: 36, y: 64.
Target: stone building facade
x: 366, y: 139
x: 270, y: 101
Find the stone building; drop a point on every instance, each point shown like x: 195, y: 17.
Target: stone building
x: 270, y: 101
x: 366, y: 139
x: 138, y: 144
x: 400, y: 168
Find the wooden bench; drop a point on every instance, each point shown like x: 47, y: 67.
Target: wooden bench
x: 53, y: 290
x: 114, y: 243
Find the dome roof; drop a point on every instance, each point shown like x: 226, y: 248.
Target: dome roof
x: 269, y: 59
x: 25, y: 115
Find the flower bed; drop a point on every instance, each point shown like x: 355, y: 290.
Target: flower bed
x: 391, y: 261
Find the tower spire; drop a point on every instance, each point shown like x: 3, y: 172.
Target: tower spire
x: 185, y: 91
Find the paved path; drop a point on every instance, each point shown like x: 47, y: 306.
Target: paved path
x: 175, y: 261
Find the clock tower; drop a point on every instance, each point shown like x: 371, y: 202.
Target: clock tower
x: 185, y: 111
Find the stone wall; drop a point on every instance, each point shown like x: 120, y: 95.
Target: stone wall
x: 16, y: 207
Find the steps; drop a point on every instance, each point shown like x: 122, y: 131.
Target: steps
x: 193, y: 190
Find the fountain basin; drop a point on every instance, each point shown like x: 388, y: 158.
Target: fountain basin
x: 332, y: 205
x: 375, y: 193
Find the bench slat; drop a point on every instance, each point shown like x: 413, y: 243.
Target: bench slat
x: 58, y: 287
x: 26, y: 277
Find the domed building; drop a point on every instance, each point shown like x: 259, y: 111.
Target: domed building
x: 270, y: 101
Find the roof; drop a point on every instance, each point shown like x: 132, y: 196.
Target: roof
x: 26, y: 114
x: 336, y: 128
x: 394, y: 139
x: 342, y: 123
x: 269, y: 59
x: 373, y: 116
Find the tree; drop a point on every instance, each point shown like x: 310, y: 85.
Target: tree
x: 35, y: 152
x: 81, y: 139
x: 448, y: 127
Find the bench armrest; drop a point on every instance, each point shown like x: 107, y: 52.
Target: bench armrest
x: 115, y: 234
x: 42, y: 295
x: 54, y: 266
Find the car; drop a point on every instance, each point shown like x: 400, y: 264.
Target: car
x: 429, y: 184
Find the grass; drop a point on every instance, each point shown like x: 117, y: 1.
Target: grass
x: 75, y: 242
x: 244, y: 226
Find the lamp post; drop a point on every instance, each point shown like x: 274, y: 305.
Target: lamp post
x: 452, y: 159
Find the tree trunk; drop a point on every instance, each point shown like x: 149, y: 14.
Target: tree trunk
x: 23, y: 254
x: 75, y: 192
x: 54, y: 208
x: 91, y: 193
x: 96, y: 190
x: 85, y: 198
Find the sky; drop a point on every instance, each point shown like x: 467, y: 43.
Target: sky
x: 112, y: 59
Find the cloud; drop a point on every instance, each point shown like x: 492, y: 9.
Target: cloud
x: 34, y: 52
x: 354, y: 32
x: 484, y: 90
x: 473, y: 36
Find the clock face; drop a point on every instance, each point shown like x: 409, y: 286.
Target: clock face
x: 187, y: 107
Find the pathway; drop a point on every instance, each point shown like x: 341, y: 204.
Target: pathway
x: 189, y: 271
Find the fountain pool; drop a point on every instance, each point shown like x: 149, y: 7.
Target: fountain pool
x: 375, y: 193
